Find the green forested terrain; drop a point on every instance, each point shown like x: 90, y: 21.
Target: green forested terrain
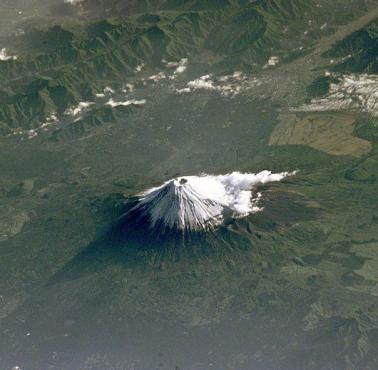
x: 59, y: 66
x: 292, y: 287
x: 360, y: 51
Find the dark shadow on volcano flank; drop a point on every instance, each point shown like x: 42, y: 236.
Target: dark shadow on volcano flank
x: 130, y: 240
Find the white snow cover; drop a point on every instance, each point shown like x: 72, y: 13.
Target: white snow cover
x: 196, y: 203
x: 351, y: 92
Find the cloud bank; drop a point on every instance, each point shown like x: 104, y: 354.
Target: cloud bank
x: 354, y: 92
x: 200, y: 203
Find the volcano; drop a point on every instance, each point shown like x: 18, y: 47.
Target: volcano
x: 201, y: 203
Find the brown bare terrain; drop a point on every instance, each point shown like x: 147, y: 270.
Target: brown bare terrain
x: 330, y: 133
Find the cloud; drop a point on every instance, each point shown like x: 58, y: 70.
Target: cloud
x: 126, y: 103
x: 227, y: 85
x: 158, y: 77
x: 357, y: 92
x: 179, y: 66
x: 51, y: 120
x: 108, y: 90
x: 272, y: 61
x: 32, y: 133
x: 81, y: 107
x: 139, y: 68
x: 73, y: 2
x: 4, y: 56
x: 196, y: 203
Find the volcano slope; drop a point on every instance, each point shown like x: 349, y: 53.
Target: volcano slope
x: 94, y: 112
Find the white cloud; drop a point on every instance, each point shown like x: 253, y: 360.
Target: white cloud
x: 81, y: 107
x: 139, y: 68
x: 184, y: 90
x: 32, y: 134
x: 272, y: 61
x: 129, y: 87
x: 108, y: 90
x: 157, y: 77
x: 357, y: 92
x: 179, y: 66
x: 73, y: 2
x: 51, y: 120
x: 4, y: 56
x: 126, y: 103
x: 204, y: 83
x: 228, y: 85
x: 196, y: 203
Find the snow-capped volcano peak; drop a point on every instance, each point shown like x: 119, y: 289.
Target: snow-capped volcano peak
x: 200, y: 203
x: 192, y: 203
